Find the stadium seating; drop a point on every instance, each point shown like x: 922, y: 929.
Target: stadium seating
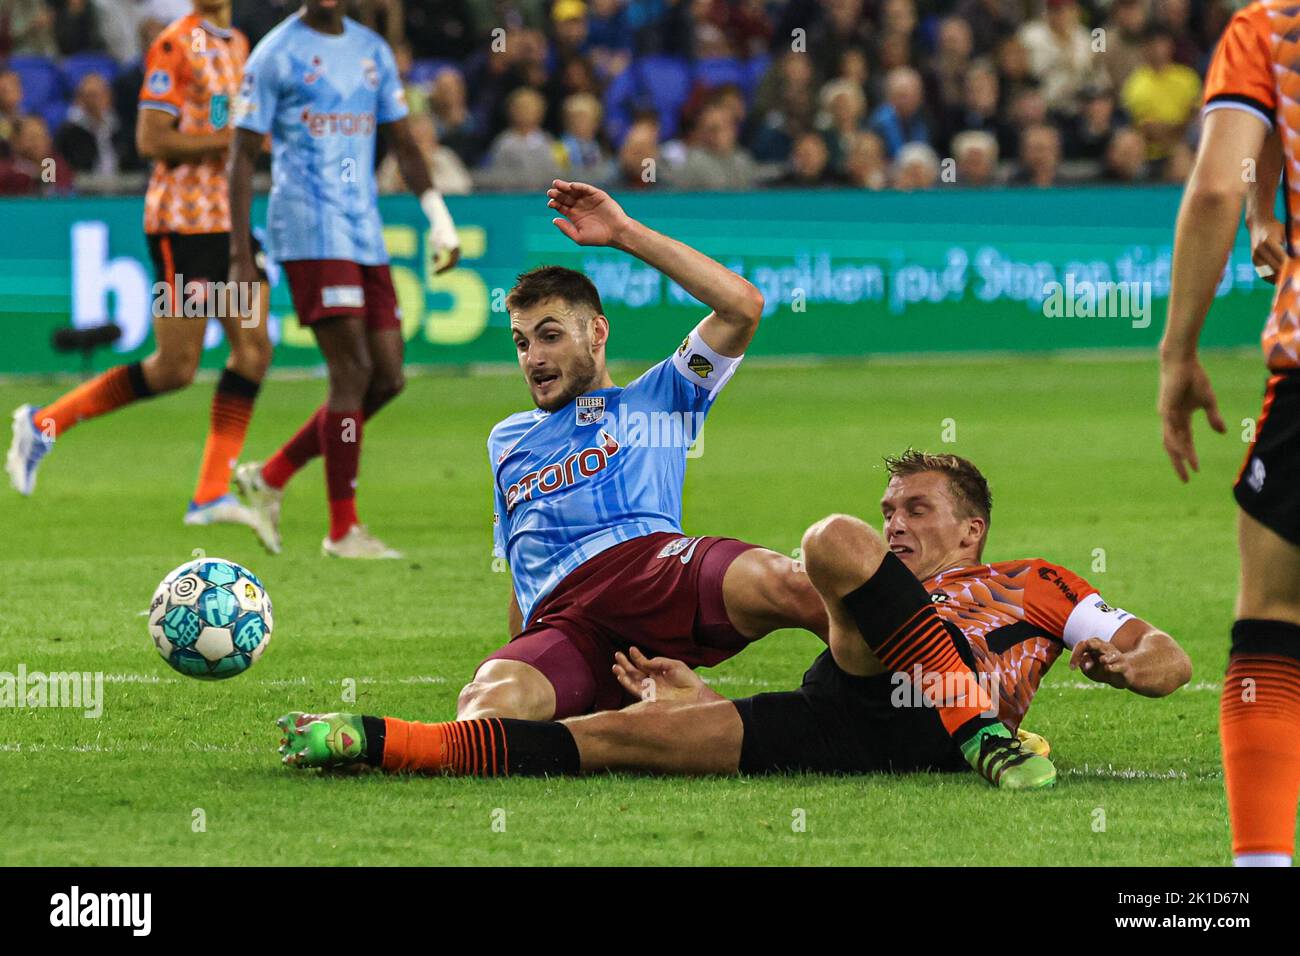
x: 79, y: 65
x: 42, y: 82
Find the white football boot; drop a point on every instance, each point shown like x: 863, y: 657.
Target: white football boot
x: 358, y: 543
x: 263, y: 503
x: 28, y: 447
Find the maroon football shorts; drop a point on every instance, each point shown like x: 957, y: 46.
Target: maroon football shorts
x: 660, y: 593
x: 324, y: 288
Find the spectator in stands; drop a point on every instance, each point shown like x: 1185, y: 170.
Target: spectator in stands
x: 449, y: 175
x: 810, y: 166
x: 976, y: 155
x: 126, y: 94
x: 714, y: 157
x: 790, y: 69
x: 779, y: 129
x: 91, y: 134
x: 1176, y: 16
x: 854, y: 67
x: 915, y: 167
x: 1162, y: 97
x: 524, y: 156
x: 1090, y: 135
x: 1126, y: 160
x: 843, y: 116
x: 1125, y: 28
x: 34, y: 168
x: 457, y: 128
x: 569, y: 28
x: 255, y: 18
x: 11, y: 105
x: 839, y: 27
x: 991, y: 22
x: 31, y: 28
x: 1014, y: 75
x: 977, y: 108
x: 76, y: 26
x: 1040, y: 157
x: 867, y: 167
x: 893, y: 52
x: 1028, y: 109
x: 584, y: 157
x: 640, y: 163
x: 946, y: 76
x: 443, y: 30
x: 1061, y: 55
x: 901, y: 119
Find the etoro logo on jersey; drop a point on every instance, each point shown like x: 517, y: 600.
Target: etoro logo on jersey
x: 562, y: 474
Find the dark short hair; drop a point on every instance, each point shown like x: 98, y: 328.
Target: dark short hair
x: 970, y: 489
x: 554, y: 282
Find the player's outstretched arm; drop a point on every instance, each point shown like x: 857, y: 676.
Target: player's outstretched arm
x: 1208, y: 219
x: 592, y: 218
x: 415, y: 172
x: 1138, y: 657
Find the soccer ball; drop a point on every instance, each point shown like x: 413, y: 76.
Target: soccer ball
x: 210, y: 619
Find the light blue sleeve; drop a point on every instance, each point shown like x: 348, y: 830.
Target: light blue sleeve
x: 392, y: 98
x: 259, y: 91
x: 498, y: 508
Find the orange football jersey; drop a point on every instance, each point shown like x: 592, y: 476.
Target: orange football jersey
x: 1254, y: 69
x: 192, y: 71
x: 1018, y: 616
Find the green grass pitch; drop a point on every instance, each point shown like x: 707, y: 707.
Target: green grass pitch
x: 1071, y: 448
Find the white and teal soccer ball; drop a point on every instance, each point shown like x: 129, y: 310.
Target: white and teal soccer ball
x: 210, y: 619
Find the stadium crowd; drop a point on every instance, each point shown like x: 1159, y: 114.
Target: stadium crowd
x: 686, y: 94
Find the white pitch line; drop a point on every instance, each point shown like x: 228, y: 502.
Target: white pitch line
x: 1130, y: 773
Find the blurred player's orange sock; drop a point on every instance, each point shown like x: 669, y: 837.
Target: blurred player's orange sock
x: 340, y: 439
x: 232, y: 408
x: 489, y: 747
x: 117, y: 387
x: 917, y: 643
x: 1259, y: 722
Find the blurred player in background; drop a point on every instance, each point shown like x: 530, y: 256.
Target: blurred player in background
x: 1252, y: 119
x: 888, y: 596
x: 321, y: 85
x: 192, y: 74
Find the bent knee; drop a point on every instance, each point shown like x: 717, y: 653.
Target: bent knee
x: 172, y: 372
x: 838, y: 546
x: 506, y: 696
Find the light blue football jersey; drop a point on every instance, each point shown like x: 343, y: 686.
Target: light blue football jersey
x: 322, y: 98
x: 604, y: 469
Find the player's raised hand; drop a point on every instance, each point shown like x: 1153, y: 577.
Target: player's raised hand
x: 1184, y: 388
x: 658, y: 678
x: 1101, y: 661
x: 590, y: 216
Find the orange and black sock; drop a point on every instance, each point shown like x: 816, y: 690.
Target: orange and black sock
x: 102, y: 394
x: 232, y: 409
x: 489, y: 747
x: 1259, y: 722
x: 906, y: 639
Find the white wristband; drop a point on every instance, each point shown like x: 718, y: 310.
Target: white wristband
x: 440, y: 221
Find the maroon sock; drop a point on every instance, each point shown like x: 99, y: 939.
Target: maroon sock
x: 296, y: 452
x: 340, y: 438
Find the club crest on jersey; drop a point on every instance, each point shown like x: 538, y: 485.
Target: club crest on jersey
x: 590, y: 409
x: 938, y: 597
x: 219, y: 111
x: 159, y: 82
x: 675, y: 547
x: 316, y: 72
x: 562, y: 474
x: 370, y: 73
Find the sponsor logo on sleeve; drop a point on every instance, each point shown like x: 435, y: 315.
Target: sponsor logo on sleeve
x: 159, y: 83
x: 700, y: 365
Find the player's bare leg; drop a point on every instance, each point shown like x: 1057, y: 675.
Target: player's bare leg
x: 503, y: 688
x: 388, y: 356
x: 850, y: 564
x: 766, y: 591
x: 1258, y: 710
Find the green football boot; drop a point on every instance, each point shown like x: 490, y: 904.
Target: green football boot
x: 998, y: 756
x: 321, y: 740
